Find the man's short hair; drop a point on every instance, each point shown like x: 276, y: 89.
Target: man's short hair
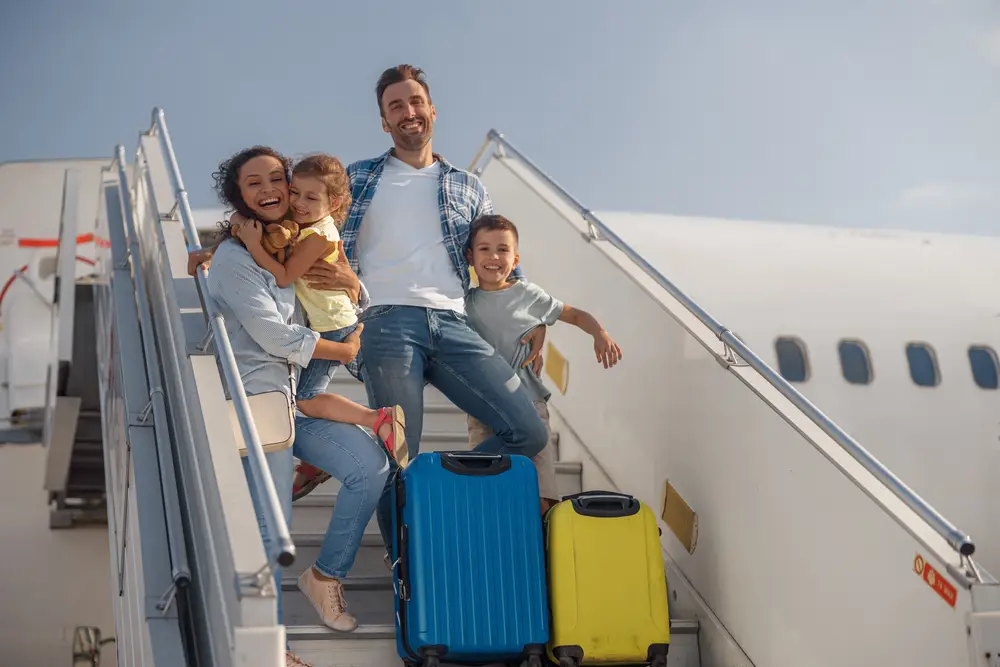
x: 397, y: 74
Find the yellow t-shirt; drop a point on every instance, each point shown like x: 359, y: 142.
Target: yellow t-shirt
x: 328, y: 310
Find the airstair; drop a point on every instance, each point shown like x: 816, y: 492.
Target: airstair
x: 785, y: 542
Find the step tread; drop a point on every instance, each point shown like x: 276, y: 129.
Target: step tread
x: 320, y: 499
x: 362, y: 582
x: 678, y: 626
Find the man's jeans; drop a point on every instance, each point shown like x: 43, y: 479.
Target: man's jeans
x: 404, y: 346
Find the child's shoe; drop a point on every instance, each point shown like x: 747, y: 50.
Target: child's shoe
x: 307, y: 477
x: 396, y: 442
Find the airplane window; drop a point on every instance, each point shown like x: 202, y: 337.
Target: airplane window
x: 984, y: 366
x: 792, y: 359
x: 854, y: 362
x: 923, y: 365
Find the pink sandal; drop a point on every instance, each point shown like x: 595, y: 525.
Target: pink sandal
x: 396, y: 442
x: 307, y: 477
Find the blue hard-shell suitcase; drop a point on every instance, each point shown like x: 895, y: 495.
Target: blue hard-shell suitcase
x: 468, y: 560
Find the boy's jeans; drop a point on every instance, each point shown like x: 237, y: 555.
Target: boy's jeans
x: 406, y: 346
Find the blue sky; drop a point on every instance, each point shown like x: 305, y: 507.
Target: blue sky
x: 860, y: 113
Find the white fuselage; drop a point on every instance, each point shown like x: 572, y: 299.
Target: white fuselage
x: 886, y: 289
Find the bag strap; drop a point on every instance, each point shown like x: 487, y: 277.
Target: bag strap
x: 291, y: 384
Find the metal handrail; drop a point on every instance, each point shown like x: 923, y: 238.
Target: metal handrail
x: 957, y: 539
x: 283, y: 547
x: 180, y: 570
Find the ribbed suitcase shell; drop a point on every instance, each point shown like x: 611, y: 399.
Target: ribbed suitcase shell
x: 473, y: 563
x: 607, y: 584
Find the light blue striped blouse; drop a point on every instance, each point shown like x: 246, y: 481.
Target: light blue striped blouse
x: 264, y: 322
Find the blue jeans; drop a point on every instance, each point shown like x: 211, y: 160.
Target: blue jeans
x: 349, y: 454
x: 407, y: 346
x: 316, y: 377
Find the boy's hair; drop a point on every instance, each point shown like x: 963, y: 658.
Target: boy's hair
x: 397, y: 74
x: 331, y: 171
x: 491, y: 222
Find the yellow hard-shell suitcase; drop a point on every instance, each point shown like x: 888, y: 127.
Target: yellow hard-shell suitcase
x: 607, y: 586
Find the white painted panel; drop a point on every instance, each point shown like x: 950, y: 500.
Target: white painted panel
x: 799, y: 564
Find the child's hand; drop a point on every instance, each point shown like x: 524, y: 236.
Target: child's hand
x: 607, y: 350
x: 353, y: 343
x: 249, y: 232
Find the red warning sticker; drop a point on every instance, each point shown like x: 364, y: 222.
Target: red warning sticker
x: 934, y: 579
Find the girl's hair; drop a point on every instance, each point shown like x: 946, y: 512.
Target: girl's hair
x: 333, y: 174
x: 227, y: 182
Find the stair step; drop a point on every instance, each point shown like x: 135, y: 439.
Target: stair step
x: 365, y: 582
x: 311, y: 514
x: 375, y: 644
x: 330, y: 487
x: 368, y: 562
x: 343, y: 383
x: 678, y: 628
x: 364, y: 631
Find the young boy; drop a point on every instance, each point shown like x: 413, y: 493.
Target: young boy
x: 503, y: 311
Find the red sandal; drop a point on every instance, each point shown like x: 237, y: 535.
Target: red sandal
x: 396, y: 442
x: 307, y: 477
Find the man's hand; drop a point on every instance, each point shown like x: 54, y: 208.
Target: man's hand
x: 196, y: 258
x: 337, y: 276
x: 536, y: 339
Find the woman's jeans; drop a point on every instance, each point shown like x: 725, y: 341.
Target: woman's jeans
x: 350, y: 455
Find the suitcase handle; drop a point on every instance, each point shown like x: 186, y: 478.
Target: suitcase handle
x: 603, y: 504
x: 474, y: 463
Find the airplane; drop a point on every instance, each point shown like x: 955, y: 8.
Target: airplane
x: 893, y: 334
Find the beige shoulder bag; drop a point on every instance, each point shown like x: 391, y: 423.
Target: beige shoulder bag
x: 273, y: 415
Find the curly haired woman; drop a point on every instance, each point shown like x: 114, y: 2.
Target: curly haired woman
x: 263, y: 326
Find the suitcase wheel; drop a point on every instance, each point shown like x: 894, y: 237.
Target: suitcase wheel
x: 534, y: 661
x: 430, y: 658
x: 567, y: 662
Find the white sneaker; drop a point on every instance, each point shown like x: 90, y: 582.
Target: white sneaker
x: 327, y: 598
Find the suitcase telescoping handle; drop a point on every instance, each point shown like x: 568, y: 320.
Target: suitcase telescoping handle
x: 603, y: 504
x: 475, y: 463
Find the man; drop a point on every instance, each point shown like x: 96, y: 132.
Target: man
x: 405, y: 237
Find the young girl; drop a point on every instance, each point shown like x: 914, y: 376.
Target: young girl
x: 320, y: 195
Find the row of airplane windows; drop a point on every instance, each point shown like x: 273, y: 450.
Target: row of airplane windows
x: 855, y: 363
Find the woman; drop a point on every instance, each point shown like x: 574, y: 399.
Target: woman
x: 265, y: 330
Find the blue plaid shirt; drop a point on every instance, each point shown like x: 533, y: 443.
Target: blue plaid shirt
x: 461, y: 199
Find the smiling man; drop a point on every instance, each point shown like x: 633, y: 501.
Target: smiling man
x: 405, y: 237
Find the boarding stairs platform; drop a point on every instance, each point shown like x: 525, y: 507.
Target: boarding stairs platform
x: 784, y: 541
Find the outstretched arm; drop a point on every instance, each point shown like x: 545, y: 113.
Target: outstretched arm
x: 605, y: 347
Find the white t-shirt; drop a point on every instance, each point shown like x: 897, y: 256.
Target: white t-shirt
x: 402, y: 255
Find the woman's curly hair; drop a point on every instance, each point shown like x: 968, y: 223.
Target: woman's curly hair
x: 227, y: 182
